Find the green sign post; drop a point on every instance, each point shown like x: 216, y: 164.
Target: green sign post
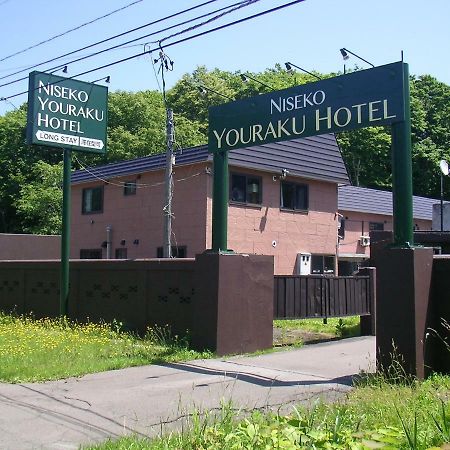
x: 69, y: 115
x: 373, y: 97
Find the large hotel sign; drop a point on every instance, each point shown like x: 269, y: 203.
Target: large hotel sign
x: 66, y: 113
x: 359, y: 99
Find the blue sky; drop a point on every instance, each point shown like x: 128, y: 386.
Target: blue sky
x: 308, y: 34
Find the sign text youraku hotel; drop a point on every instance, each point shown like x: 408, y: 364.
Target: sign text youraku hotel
x: 67, y: 113
x: 355, y: 100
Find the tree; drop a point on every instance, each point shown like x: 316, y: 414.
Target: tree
x: 16, y: 159
x: 137, y: 127
x: 187, y: 101
x: 367, y: 156
x: 40, y: 201
x: 430, y: 111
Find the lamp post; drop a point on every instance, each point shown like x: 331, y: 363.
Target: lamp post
x: 346, y: 51
x: 290, y: 65
x: 444, y: 171
x: 204, y: 90
x: 245, y: 78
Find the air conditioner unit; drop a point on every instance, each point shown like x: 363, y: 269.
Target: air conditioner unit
x: 364, y: 241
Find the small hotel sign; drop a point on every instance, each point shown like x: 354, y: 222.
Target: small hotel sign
x: 66, y: 113
x: 360, y: 99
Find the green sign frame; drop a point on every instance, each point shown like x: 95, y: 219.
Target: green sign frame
x: 67, y: 113
x: 371, y: 97
x: 70, y: 115
x: 359, y: 99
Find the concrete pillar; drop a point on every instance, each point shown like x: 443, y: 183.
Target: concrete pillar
x: 233, y: 312
x: 403, y: 294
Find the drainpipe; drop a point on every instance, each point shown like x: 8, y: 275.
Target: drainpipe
x: 108, y: 241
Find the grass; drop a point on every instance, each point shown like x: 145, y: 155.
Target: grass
x: 376, y: 414
x: 297, y: 332
x: 333, y: 326
x: 48, y: 349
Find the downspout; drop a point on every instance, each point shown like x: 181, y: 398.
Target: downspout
x: 108, y: 241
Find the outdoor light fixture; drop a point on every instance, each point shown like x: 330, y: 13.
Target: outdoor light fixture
x: 346, y: 51
x: 289, y: 66
x: 204, y: 90
x: 105, y: 79
x: 62, y: 68
x: 245, y: 78
x: 344, y: 54
x: 444, y: 171
x: 4, y: 99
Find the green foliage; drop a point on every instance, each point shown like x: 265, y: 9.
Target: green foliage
x: 45, y: 349
x: 16, y: 162
x: 40, y: 199
x: 354, y: 424
x: 339, y: 327
x: 367, y: 154
x: 187, y: 101
x: 137, y: 128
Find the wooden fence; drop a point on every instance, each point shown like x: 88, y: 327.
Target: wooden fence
x: 310, y: 296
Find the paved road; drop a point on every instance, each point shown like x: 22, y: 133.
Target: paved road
x: 77, y: 411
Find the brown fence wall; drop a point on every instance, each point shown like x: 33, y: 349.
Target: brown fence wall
x: 137, y: 293
x: 309, y: 296
x: 224, y: 300
x: 437, y: 337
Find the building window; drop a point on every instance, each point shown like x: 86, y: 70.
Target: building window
x: 121, y: 253
x: 129, y: 188
x: 322, y: 264
x: 92, y: 201
x: 177, y: 252
x: 91, y: 253
x: 294, y: 196
x: 376, y: 226
x: 245, y: 189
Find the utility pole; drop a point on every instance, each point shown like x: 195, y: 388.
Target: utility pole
x: 167, y: 247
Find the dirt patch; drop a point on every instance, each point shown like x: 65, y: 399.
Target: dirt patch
x: 282, y: 337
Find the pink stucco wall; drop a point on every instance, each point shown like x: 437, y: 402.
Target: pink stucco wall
x: 140, y: 216
x: 29, y: 247
x: 251, y: 229
x: 357, y: 225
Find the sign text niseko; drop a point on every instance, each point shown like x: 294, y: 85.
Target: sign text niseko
x: 66, y: 113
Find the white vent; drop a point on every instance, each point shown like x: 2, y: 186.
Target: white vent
x: 364, y: 241
x: 303, y: 263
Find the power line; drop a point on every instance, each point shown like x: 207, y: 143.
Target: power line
x: 69, y: 31
x: 224, y: 10
x: 8, y: 69
x: 123, y: 44
x: 170, y: 44
x: 194, y: 27
x: 110, y: 38
x: 103, y: 178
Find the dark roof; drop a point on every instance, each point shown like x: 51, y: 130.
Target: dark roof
x: 316, y: 157
x: 139, y: 165
x: 359, y: 199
